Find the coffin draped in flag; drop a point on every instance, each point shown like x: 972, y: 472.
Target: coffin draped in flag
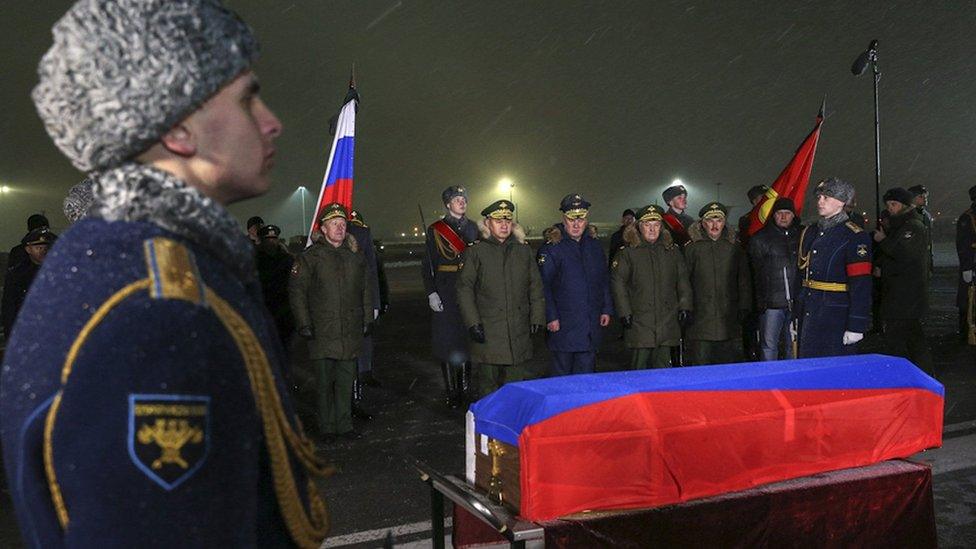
x: 649, y: 438
x: 792, y: 181
x: 338, y: 181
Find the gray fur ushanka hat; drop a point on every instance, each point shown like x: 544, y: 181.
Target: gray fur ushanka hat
x: 121, y: 73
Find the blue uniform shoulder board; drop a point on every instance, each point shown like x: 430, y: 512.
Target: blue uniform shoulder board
x: 853, y: 227
x: 173, y: 272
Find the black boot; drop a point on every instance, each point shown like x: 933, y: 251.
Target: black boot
x: 358, y: 412
x: 466, y: 390
x: 450, y: 385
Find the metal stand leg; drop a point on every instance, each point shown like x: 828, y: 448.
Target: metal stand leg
x: 437, y: 517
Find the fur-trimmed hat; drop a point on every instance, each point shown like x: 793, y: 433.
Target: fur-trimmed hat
x: 121, y: 73
x: 898, y: 194
x: 837, y: 189
x: 756, y: 191
x: 453, y: 191
x: 673, y: 191
x: 79, y: 199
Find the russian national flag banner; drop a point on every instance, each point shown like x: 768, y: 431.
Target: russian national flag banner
x: 338, y: 180
x: 647, y: 438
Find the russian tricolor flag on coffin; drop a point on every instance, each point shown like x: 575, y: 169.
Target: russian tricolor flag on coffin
x: 647, y: 438
x: 338, y: 181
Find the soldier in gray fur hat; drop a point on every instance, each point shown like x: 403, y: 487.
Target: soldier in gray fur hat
x: 158, y: 409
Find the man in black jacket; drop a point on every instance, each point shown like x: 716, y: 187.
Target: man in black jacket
x: 617, y: 238
x: 773, y: 251
x: 904, y: 279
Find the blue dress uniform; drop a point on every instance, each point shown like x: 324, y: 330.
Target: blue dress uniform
x: 142, y: 400
x: 835, y: 268
x: 576, y: 285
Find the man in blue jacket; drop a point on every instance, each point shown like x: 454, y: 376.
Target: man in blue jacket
x: 576, y: 285
x: 156, y: 409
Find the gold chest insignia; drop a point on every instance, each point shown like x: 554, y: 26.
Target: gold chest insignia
x: 862, y: 250
x: 541, y: 259
x: 168, y: 436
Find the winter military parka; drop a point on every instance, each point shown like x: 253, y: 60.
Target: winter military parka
x: 905, y: 267
x: 719, y: 274
x: 329, y: 292
x: 499, y: 287
x: 650, y: 283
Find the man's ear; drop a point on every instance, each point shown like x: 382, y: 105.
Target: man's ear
x: 179, y: 141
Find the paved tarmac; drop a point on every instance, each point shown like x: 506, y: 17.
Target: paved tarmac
x: 376, y: 490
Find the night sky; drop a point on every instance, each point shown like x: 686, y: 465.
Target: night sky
x: 610, y: 99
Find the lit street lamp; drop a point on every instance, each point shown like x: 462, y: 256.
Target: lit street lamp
x: 4, y: 189
x: 302, y: 190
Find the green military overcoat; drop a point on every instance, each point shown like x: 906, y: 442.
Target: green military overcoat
x: 500, y: 287
x: 649, y: 282
x: 328, y: 291
x: 720, y: 282
x: 905, y: 268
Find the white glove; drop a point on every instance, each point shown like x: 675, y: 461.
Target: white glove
x: 435, y: 303
x: 967, y: 276
x: 376, y: 314
x: 792, y: 326
x: 850, y: 338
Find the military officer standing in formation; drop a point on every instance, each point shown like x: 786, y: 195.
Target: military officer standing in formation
x: 447, y: 239
x: 651, y: 291
x: 676, y: 221
x: 499, y: 291
x: 719, y: 273
x: 155, y: 411
x: 333, y: 308
x: 835, y: 264
x: 19, y: 277
x: 576, y: 285
x: 904, y: 265
x: 966, y: 252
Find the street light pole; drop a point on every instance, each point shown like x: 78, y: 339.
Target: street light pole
x: 301, y: 190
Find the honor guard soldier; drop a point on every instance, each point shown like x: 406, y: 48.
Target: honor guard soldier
x: 333, y: 307
x: 651, y: 291
x: 20, y: 276
x: 499, y: 292
x: 447, y: 239
x: 834, y: 305
x: 904, y: 246
x: 719, y: 272
x: 576, y: 286
x: 966, y: 251
x: 156, y: 410
x: 675, y: 219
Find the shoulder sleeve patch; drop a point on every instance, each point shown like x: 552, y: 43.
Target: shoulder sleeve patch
x: 173, y: 272
x: 853, y: 227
